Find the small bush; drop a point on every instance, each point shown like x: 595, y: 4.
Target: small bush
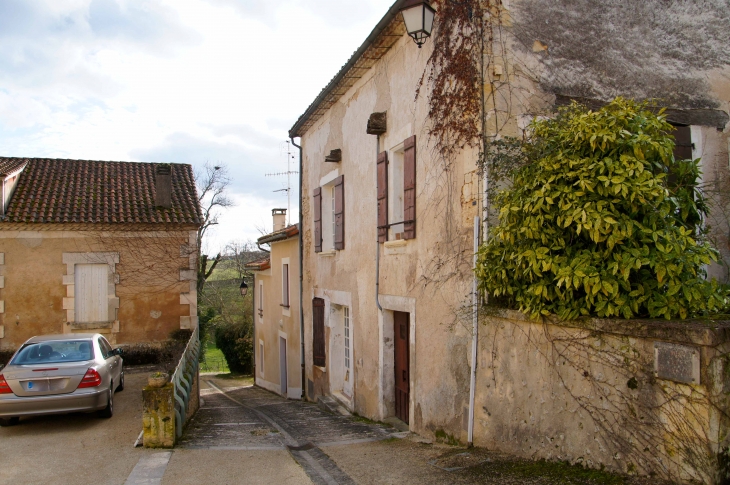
x: 5, y: 357
x: 237, y: 346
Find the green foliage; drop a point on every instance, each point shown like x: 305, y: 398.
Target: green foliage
x: 594, y: 224
x: 237, y: 346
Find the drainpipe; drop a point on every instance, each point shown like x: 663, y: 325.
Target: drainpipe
x: 474, y: 334
x: 301, y: 270
x: 377, y: 246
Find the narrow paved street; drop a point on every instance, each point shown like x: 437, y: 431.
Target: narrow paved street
x: 244, y: 434
x: 252, y: 419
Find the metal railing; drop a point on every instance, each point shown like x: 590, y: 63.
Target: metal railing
x: 183, y: 379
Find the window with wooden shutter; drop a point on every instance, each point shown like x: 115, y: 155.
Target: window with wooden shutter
x: 682, y: 142
x: 382, y: 197
x: 317, y: 219
x: 340, y: 212
x: 318, y: 347
x: 409, y: 187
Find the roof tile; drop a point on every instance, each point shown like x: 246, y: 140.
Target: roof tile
x: 62, y: 191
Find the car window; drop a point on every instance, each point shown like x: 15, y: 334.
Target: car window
x: 106, y: 349
x: 54, y: 351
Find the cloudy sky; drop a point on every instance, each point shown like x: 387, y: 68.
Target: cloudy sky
x: 184, y: 81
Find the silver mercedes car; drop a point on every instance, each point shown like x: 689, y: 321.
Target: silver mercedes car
x: 56, y: 374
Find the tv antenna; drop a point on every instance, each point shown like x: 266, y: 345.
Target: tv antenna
x: 288, y: 174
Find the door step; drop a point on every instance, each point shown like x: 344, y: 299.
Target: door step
x: 333, y: 406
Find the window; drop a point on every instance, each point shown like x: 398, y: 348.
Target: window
x: 261, y: 300
x: 329, y: 215
x: 261, y: 358
x: 106, y: 349
x: 397, y: 192
x: 318, y: 343
x: 332, y: 210
x: 346, y: 313
x: 91, y: 301
x: 285, y: 285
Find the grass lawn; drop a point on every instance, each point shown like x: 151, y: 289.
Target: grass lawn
x: 214, y: 360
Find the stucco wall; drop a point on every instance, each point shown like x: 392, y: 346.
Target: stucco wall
x: 150, y: 291
x: 586, y: 392
x: 424, y: 273
x: 279, y: 322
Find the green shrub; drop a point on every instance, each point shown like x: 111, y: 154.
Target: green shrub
x: 237, y: 346
x: 593, y: 224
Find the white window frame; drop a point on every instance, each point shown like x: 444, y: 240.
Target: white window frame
x: 261, y: 357
x: 347, y: 337
x: 285, y: 295
x: 396, y: 181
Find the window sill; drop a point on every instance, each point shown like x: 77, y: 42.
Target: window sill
x: 395, y: 247
x: 284, y: 306
x: 328, y: 253
x: 90, y: 325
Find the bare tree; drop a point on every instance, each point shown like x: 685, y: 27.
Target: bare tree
x: 212, y: 182
x: 240, y: 253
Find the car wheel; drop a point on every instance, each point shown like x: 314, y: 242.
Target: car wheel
x: 120, y: 387
x: 108, y: 411
x: 9, y: 421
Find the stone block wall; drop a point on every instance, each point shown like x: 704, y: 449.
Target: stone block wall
x: 638, y: 397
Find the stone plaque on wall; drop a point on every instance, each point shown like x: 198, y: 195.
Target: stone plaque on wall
x: 677, y: 363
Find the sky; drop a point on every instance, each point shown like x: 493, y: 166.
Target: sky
x: 180, y: 81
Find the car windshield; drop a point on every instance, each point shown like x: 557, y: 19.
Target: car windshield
x: 54, y: 351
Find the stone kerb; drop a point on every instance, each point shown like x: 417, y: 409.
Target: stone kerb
x: 634, y: 396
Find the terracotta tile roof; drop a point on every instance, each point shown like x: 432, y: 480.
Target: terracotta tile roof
x: 67, y: 191
x: 280, y: 235
x: 259, y: 265
x: 10, y: 165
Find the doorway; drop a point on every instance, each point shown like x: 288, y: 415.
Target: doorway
x: 282, y: 366
x: 401, y: 326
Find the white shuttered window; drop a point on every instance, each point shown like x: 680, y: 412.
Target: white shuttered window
x: 91, y: 293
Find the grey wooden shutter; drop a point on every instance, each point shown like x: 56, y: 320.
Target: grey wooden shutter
x: 318, y: 347
x: 409, y: 187
x: 382, y: 197
x: 340, y: 212
x: 318, y: 220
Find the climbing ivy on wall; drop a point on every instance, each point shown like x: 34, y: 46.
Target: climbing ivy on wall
x: 602, y: 221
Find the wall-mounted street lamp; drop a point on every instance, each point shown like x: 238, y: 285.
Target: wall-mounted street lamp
x: 418, y: 17
x: 244, y: 288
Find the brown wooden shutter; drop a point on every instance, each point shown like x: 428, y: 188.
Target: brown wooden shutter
x: 340, y: 212
x: 318, y: 220
x: 682, y: 143
x: 382, y: 197
x: 409, y: 187
x: 318, y: 347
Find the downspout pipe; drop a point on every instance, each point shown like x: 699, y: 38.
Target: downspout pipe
x: 377, y: 246
x: 474, y: 335
x: 301, y: 270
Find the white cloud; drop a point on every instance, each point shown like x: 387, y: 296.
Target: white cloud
x: 174, y: 80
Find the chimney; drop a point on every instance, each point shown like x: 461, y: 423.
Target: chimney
x: 279, y: 219
x: 163, y: 185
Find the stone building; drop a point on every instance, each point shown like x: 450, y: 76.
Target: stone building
x: 277, y: 330
x: 388, y: 223
x: 92, y: 246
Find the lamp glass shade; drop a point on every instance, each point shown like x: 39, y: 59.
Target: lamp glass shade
x: 244, y: 288
x: 419, y: 21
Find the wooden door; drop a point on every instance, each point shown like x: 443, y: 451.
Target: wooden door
x: 402, y: 373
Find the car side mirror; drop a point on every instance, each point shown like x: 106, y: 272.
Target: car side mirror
x: 118, y: 351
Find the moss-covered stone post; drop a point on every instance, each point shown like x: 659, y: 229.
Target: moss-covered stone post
x: 158, y: 416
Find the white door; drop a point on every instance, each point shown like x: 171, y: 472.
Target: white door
x: 347, y: 381
x: 91, y: 286
x: 282, y: 366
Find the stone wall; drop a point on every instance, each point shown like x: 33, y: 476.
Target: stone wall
x: 617, y: 394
